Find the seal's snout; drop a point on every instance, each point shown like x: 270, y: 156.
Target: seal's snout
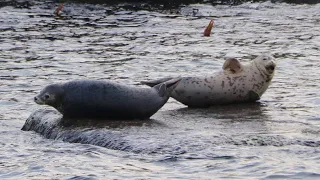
x: 270, y: 64
x: 271, y: 67
x: 38, y: 100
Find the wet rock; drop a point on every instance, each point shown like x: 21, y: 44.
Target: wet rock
x: 179, y: 2
x: 51, y: 125
x: 151, y: 4
x: 185, y: 131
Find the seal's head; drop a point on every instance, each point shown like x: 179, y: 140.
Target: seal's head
x: 51, y: 95
x: 266, y: 65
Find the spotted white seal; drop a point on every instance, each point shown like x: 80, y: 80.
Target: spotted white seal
x: 105, y: 99
x: 235, y: 83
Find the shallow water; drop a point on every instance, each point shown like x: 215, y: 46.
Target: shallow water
x: 275, y: 138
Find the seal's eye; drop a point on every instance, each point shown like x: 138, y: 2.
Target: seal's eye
x: 265, y: 58
x: 46, y: 96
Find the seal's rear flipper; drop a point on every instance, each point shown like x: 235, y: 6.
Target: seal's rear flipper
x: 167, y: 86
x: 233, y: 65
x: 153, y: 83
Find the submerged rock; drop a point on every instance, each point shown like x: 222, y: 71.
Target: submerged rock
x: 51, y: 125
x: 180, y: 131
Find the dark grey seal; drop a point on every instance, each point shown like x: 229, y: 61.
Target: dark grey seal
x: 105, y: 99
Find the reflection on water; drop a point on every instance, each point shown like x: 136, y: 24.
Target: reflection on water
x: 276, y: 137
x: 235, y: 112
x: 109, y: 124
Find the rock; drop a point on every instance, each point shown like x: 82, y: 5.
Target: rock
x: 181, y: 131
x: 51, y: 125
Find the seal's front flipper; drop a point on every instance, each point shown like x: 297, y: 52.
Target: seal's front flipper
x: 167, y: 87
x: 233, y: 65
x: 153, y: 83
x: 253, y: 96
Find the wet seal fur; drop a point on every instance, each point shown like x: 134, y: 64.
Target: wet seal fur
x: 105, y: 99
x: 235, y: 83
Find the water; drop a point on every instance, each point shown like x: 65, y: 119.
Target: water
x: 276, y: 138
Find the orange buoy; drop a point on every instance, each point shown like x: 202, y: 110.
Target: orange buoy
x: 207, y: 31
x: 59, y: 8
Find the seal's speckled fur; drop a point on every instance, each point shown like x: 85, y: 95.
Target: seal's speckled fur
x: 105, y: 99
x: 236, y: 83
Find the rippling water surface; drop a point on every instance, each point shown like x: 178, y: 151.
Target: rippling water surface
x: 275, y: 138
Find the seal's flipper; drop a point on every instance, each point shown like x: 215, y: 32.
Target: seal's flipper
x: 161, y: 89
x: 233, y: 65
x: 153, y: 83
x: 167, y: 86
x: 253, y: 96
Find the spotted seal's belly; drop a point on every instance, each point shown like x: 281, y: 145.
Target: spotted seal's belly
x: 219, y: 89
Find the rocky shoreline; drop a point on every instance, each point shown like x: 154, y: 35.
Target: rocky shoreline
x: 162, y: 4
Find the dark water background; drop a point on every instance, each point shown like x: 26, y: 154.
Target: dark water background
x: 276, y: 138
